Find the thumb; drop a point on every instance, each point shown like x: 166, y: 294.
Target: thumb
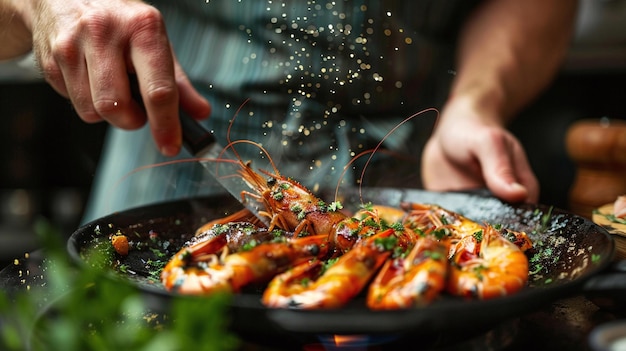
x: 508, y: 174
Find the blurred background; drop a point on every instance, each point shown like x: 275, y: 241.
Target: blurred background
x: 50, y: 155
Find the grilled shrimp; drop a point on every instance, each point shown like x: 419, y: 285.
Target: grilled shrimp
x: 422, y: 217
x: 369, y: 220
x: 288, y: 204
x: 414, y: 280
x: 198, y: 270
x: 312, y: 286
x: 242, y: 216
x: 232, y: 236
x: 497, y: 268
x: 451, y: 224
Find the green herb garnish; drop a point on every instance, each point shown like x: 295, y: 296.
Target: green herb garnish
x: 86, y: 310
x: 386, y: 244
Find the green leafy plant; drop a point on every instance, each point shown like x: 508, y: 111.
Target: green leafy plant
x: 83, y: 309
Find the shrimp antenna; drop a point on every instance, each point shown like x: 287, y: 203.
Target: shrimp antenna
x: 258, y: 145
x: 375, y: 149
x: 162, y: 164
x: 345, y: 168
x: 230, y: 126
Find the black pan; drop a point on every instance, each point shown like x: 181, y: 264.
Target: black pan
x: 569, y: 250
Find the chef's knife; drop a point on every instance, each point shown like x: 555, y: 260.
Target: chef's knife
x: 203, y: 146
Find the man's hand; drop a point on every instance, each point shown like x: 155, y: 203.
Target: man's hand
x: 86, y: 51
x: 466, y: 153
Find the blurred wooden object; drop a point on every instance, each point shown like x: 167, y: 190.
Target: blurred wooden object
x: 603, y: 217
x: 598, y: 148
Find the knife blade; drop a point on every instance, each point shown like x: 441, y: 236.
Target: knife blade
x: 203, y: 145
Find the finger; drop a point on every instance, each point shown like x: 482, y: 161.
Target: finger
x: 525, y: 175
x: 190, y: 100
x: 110, y: 87
x: 52, y: 73
x: 65, y: 69
x: 153, y: 63
x: 440, y: 172
x: 500, y: 163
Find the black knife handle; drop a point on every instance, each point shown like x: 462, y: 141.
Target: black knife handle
x: 195, y: 136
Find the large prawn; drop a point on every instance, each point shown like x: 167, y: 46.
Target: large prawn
x: 198, y: 269
x: 412, y: 280
x: 285, y: 202
x: 421, y: 217
x: 313, y: 286
x: 497, y: 268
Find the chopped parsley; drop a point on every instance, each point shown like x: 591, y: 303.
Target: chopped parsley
x: 438, y: 233
x: 250, y: 245
x: 158, y: 253
x: 123, y: 268
x: 435, y: 255
x: 398, y: 227
x: 335, y: 206
x: 296, y: 208
x: 478, y: 235
x: 278, y: 233
x: 370, y: 222
x: 398, y: 251
x: 545, y: 219
x: 328, y: 263
x: 367, y: 206
x: 444, y: 220
x: 386, y: 244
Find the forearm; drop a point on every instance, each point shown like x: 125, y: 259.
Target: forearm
x: 15, y: 34
x: 509, y: 51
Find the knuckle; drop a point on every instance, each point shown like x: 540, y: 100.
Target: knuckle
x: 149, y: 19
x: 51, y: 71
x: 85, y: 111
x: 118, y: 113
x: 162, y: 93
x: 106, y: 107
x: 65, y: 50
